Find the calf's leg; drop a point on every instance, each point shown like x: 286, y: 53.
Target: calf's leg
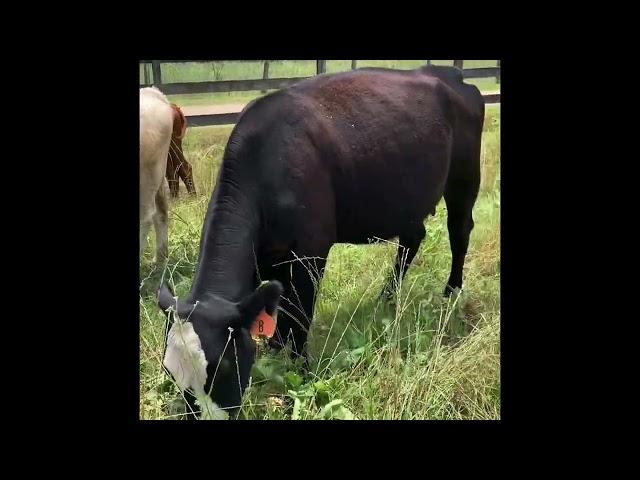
x: 184, y: 169
x: 172, y: 170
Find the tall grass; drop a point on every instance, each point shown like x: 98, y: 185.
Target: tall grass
x: 423, y: 357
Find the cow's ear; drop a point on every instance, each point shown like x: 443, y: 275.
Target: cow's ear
x: 168, y: 302
x: 166, y: 299
x: 266, y: 297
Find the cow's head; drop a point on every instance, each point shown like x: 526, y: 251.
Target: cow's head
x: 209, y: 346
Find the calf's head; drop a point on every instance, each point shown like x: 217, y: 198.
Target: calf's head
x: 209, y: 346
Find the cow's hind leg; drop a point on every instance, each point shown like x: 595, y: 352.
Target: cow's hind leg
x: 186, y: 173
x: 147, y: 211
x: 172, y: 170
x: 145, y: 226
x: 409, y: 243
x: 184, y: 169
x: 460, y: 198
x: 161, y: 223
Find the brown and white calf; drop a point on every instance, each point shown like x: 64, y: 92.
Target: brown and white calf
x: 156, y: 128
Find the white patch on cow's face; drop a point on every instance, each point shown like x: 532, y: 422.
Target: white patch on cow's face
x: 184, y: 357
x: 186, y: 361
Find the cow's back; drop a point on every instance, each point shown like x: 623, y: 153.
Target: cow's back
x: 156, y: 125
x: 384, y: 138
x: 372, y: 146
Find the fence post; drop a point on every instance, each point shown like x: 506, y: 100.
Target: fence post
x: 428, y: 62
x: 321, y: 66
x: 458, y: 63
x: 498, y: 74
x: 353, y: 64
x: 157, y: 75
x: 265, y: 73
x: 145, y: 70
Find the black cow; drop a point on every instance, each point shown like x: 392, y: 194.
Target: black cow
x: 338, y: 158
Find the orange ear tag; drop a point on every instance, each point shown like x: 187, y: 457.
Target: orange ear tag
x: 263, y: 326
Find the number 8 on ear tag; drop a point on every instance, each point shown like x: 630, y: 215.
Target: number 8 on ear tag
x: 263, y: 326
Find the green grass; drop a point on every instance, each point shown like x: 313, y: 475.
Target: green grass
x: 212, y: 71
x: 424, y: 358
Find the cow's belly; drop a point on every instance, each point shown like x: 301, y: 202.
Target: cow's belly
x: 386, y: 203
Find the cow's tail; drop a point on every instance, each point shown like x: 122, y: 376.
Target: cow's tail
x: 179, y: 121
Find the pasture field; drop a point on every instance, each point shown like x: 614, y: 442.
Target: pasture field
x: 213, y: 71
x: 423, y: 357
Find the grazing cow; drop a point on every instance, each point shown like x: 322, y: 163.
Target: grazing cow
x: 156, y: 126
x: 177, y: 165
x: 337, y: 158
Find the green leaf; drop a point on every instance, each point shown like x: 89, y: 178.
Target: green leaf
x: 293, y: 380
x: 343, y: 413
x: 335, y: 410
x: 327, y: 409
x: 322, y: 393
x: 297, y: 405
x: 355, y: 339
x: 321, y: 386
x: 356, y: 354
x: 278, y: 380
x: 262, y: 371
